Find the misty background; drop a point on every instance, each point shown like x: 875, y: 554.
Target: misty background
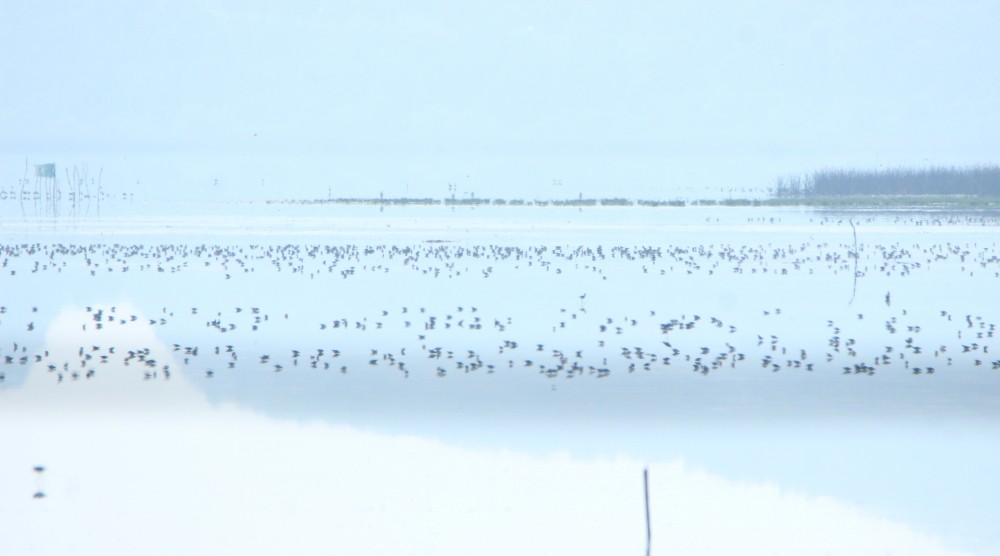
x: 254, y: 100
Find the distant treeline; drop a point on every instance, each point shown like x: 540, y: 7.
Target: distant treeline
x: 837, y: 201
x: 380, y: 201
x: 982, y: 181
x: 475, y: 202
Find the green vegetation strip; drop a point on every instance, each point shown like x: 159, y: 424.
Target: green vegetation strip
x: 926, y: 202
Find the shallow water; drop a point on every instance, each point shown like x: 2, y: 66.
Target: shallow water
x: 740, y: 341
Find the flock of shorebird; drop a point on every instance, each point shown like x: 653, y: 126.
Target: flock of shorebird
x: 463, y: 339
x: 436, y: 260
x: 428, y: 343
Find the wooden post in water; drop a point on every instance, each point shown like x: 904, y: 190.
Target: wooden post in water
x: 854, y: 289
x: 649, y: 532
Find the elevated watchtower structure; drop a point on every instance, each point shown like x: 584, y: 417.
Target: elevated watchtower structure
x: 46, y: 186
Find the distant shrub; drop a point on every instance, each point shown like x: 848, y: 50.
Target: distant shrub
x: 656, y: 203
x: 574, y: 202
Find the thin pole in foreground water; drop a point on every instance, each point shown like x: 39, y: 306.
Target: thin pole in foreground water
x: 649, y: 532
x: 854, y: 290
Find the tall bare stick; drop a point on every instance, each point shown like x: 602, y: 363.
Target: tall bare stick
x: 649, y: 531
x: 854, y: 290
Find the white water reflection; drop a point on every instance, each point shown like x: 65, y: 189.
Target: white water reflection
x: 137, y: 466
x: 888, y: 462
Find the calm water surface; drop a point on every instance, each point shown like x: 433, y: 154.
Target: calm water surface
x: 751, y: 343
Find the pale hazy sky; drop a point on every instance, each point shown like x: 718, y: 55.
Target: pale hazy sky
x: 646, y: 98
